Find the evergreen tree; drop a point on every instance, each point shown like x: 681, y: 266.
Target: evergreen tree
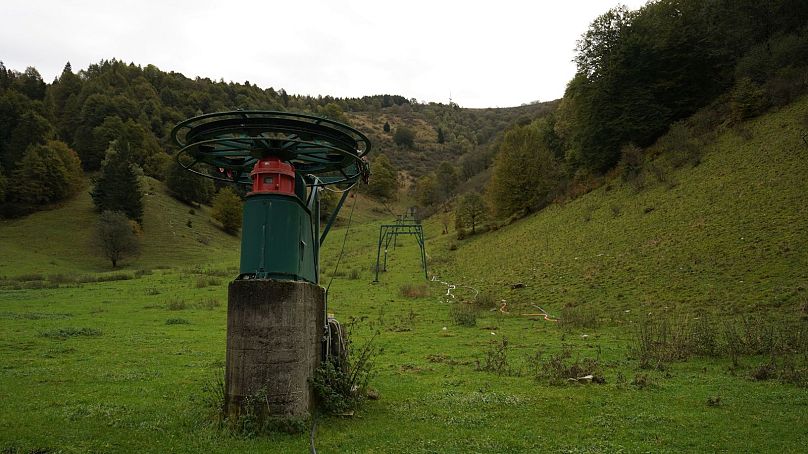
x: 386, y: 127
x: 118, y: 187
x: 441, y: 137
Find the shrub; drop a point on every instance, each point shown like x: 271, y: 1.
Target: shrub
x: 496, y: 359
x: 209, y: 304
x: 463, y: 314
x: 341, y: 384
x: 485, y: 300
x: 227, y: 208
x: 631, y: 165
x: 64, y: 333
x: 679, y: 147
x: 176, y: 304
x: 559, y: 369
x: 204, y: 281
x: 415, y: 290
x: 404, y: 137
x: 747, y: 100
x: 573, y: 317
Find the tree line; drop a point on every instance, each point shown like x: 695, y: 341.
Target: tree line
x: 641, y: 76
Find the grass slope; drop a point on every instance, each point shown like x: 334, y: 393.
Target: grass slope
x: 127, y: 366
x: 60, y: 240
x: 728, y: 236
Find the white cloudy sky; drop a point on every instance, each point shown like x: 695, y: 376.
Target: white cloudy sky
x: 484, y: 53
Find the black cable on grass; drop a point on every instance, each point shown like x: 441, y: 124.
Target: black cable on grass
x: 342, y: 251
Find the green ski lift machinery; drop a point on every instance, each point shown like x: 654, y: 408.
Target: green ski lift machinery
x: 283, y: 160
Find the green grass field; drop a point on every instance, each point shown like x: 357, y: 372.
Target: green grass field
x: 127, y: 365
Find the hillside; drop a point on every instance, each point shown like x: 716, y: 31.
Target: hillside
x: 133, y: 365
x: 60, y: 240
x: 469, y: 134
x: 727, y: 236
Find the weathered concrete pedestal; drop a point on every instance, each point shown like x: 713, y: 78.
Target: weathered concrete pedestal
x: 274, y: 334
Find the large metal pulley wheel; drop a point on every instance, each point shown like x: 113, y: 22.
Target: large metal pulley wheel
x: 226, y: 145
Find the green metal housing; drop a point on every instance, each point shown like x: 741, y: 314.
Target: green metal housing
x: 278, y: 239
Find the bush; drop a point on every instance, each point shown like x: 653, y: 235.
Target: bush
x: 404, y: 137
x: 64, y: 333
x: 631, y: 165
x: 579, y: 317
x: 341, y: 384
x: 415, y: 290
x: 463, y: 314
x: 227, y: 209
x: 485, y: 300
x: 559, y: 369
x: 176, y: 304
x: 496, y: 359
x: 679, y: 146
x: 747, y: 100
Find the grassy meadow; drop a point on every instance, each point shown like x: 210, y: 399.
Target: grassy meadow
x: 685, y: 300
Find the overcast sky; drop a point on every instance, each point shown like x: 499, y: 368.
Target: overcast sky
x: 490, y: 53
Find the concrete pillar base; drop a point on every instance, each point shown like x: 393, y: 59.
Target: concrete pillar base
x: 274, y: 344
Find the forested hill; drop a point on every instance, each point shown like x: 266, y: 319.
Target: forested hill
x: 112, y: 100
x: 656, y: 80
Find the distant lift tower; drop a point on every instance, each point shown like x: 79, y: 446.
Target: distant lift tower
x: 389, y: 233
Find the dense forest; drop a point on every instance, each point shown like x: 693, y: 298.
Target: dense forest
x: 641, y: 75
x: 51, y: 133
x: 652, y: 83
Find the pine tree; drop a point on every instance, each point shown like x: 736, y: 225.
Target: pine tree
x: 118, y: 187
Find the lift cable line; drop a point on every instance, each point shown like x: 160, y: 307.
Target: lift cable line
x: 341, y: 252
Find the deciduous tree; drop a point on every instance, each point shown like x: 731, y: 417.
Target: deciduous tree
x: 404, y: 137
x: 470, y: 212
x: 116, y: 236
x: 383, y: 182
x: 227, y: 209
